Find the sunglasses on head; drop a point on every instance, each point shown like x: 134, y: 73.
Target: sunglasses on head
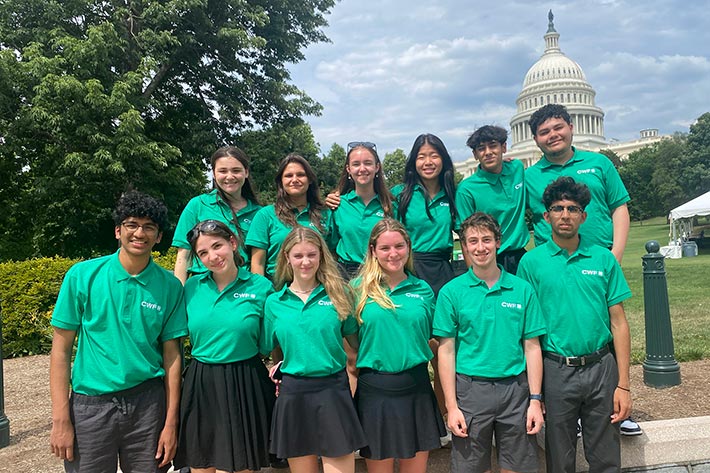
x: 364, y: 144
x: 207, y: 226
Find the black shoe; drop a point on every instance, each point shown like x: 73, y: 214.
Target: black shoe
x: 279, y: 463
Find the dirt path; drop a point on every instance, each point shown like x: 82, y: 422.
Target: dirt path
x: 28, y: 408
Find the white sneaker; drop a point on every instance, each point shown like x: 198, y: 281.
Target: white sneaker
x: 630, y: 427
x: 445, y: 441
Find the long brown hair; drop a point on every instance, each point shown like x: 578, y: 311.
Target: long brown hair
x: 283, y: 206
x: 346, y: 184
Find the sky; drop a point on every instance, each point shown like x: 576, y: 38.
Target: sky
x: 398, y: 68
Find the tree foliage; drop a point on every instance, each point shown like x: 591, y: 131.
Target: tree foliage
x: 393, y: 167
x: 100, y: 96
x: 664, y: 175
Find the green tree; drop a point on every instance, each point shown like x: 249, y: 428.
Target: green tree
x: 613, y: 157
x: 267, y: 147
x: 695, y: 176
x: 652, y: 177
x: 100, y: 96
x: 393, y: 165
x: 329, y: 168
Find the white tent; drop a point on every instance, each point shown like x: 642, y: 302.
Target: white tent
x: 681, y: 218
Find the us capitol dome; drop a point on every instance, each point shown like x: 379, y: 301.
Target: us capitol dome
x: 555, y: 78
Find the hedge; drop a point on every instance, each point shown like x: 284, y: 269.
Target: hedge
x: 28, y: 292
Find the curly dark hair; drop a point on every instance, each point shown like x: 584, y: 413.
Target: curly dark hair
x: 138, y: 204
x: 565, y: 188
x: 551, y: 110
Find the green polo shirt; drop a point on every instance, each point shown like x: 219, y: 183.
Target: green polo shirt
x: 598, y: 173
x: 429, y: 235
x: 396, y: 340
x: 351, y: 225
x: 310, y: 334
x: 225, y: 326
x: 489, y: 325
x: 575, y: 293
x: 210, y: 206
x: 500, y: 195
x: 121, y: 322
x: 267, y: 232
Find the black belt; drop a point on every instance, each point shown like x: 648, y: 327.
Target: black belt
x: 578, y: 360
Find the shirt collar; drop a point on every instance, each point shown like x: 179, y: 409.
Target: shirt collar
x: 286, y: 294
x: 575, y: 158
x: 121, y: 274
x: 352, y: 196
x: 504, y: 281
x: 425, y: 193
x: 554, y: 249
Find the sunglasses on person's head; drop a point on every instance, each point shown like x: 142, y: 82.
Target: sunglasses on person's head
x: 365, y: 144
x: 207, y: 226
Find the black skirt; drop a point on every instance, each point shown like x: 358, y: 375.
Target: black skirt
x: 398, y: 412
x: 225, y: 415
x: 315, y: 416
x: 434, y: 268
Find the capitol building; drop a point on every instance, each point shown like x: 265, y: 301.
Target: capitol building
x: 555, y: 78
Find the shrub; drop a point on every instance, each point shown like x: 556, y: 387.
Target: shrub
x: 28, y: 292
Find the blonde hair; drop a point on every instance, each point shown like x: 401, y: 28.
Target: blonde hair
x: 371, y: 276
x: 327, y: 274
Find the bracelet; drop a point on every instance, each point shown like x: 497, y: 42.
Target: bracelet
x: 536, y: 397
x: 624, y: 389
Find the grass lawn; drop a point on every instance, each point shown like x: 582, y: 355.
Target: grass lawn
x: 688, y: 293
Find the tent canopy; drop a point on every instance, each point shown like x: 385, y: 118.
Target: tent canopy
x: 694, y: 208
x: 681, y: 217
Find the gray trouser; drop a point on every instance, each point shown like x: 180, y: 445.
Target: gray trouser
x: 124, y: 425
x: 586, y: 393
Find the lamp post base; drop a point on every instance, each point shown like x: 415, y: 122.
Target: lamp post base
x: 661, y: 374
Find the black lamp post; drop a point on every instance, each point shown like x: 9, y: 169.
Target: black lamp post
x: 4, y: 421
x: 660, y: 369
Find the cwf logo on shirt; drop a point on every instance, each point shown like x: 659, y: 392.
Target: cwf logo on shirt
x: 380, y: 213
x: 518, y: 185
x: 586, y: 171
x: 415, y: 296
x: 592, y: 272
x: 511, y: 305
x: 443, y: 204
x: 151, y: 305
x: 243, y: 295
x: 321, y: 302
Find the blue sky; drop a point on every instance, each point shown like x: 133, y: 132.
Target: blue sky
x: 398, y: 68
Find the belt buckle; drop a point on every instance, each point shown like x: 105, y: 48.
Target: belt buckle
x: 575, y: 361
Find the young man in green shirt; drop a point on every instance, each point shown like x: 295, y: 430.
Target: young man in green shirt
x: 127, y: 315
x: 607, y: 222
x: 581, y: 289
x: 497, y: 188
x: 488, y: 323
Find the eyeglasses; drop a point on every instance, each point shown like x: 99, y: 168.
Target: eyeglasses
x: 572, y: 209
x: 148, y: 228
x: 207, y: 226
x: 365, y: 144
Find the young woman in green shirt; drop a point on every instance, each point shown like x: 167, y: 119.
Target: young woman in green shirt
x: 227, y: 398
x: 394, y: 398
x: 308, y: 317
x: 233, y: 201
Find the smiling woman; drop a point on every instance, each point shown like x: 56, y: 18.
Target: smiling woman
x: 226, y: 376
x: 298, y: 202
x: 232, y: 201
x: 394, y: 397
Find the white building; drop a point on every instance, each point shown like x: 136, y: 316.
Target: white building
x: 555, y: 78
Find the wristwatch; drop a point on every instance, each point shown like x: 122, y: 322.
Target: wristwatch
x: 536, y: 397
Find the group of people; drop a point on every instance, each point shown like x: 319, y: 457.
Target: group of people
x: 354, y: 296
